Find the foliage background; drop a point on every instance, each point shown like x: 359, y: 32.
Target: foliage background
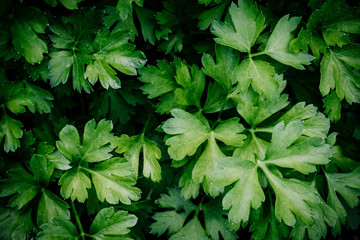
x: 52, y: 54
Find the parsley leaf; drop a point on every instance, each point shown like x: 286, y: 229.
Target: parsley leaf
x: 247, y: 23
x: 347, y: 186
x: 179, y: 210
x: 131, y: 147
x: 30, y: 21
x: 112, y: 177
x: 277, y: 46
x: 337, y: 73
x: 190, y: 132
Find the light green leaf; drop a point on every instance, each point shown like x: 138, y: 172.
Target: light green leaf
x: 206, y: 164
x: 109, y: 224
x: 261, y: 107
x: 189, y: 188
x: 315, y: 123
x: 277, y: 46
x: 248, y: 22
x: 113, y: 49
x: 336, y: 73
x: 95, y: 146
x: 59, y: 229
x: 228, y: 132
x: 74, y: 183
x: 97, y: 137
x: 113, y: 181
x: 302, y: 156
x: 295, y: 200
x: 222, y: 70
x: 51, y: 206
x: 253, y: 149
x: 189, y: 133
x: 260, y: 75
x: 246, y: 190
x: 131, y: 147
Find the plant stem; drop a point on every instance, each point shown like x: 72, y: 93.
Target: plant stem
x: 146, y: 124
x: 78, y: 222
x: 257, y: 54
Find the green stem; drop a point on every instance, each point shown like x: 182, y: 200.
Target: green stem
x: 78, y: 222
x: 265, y: 129
x: 257, y: 54
x: 146, y: 124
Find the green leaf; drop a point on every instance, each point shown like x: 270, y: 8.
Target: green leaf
x: 192, y: 230
x: 109, y: 224
x: 261, y: 107
x: 40, y: 99
x: 10, y: 131
x: 21, y: 184
x: 189, y: 188
x: 222, y: 70
x: 302, y: 156
x: 30, y: 21
x: 215, y: 222
x: 15, y: 224
x: 16, y: 97
x: 295, y: 200
x: 347, y: 186
x: 70, y: 4
x: 113, y: 181
x: 189, y: 133
x: 246, y: 190
x: 206, y: 18
x: 170, y: 221
x: 60, y: 66
x: 206, y: 164
x: 332, y: 106
x: 229, y: 132
x: 308, y: 38
x: 42, y: 169
x: 158, y: 80
x: 95, y: 146
x: 277, y: 46
x: 315, y: 123
x: 59, y: 228
x: 337, y: 73
x: 265, y: 226
x: 147, y: 22
x: 336, y: 20
x: 131, y: 147
x: 247, y: 23
x: 74, y: 184
x: 260, y: 75
x: 51, y: 206
x: 113, y: 49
